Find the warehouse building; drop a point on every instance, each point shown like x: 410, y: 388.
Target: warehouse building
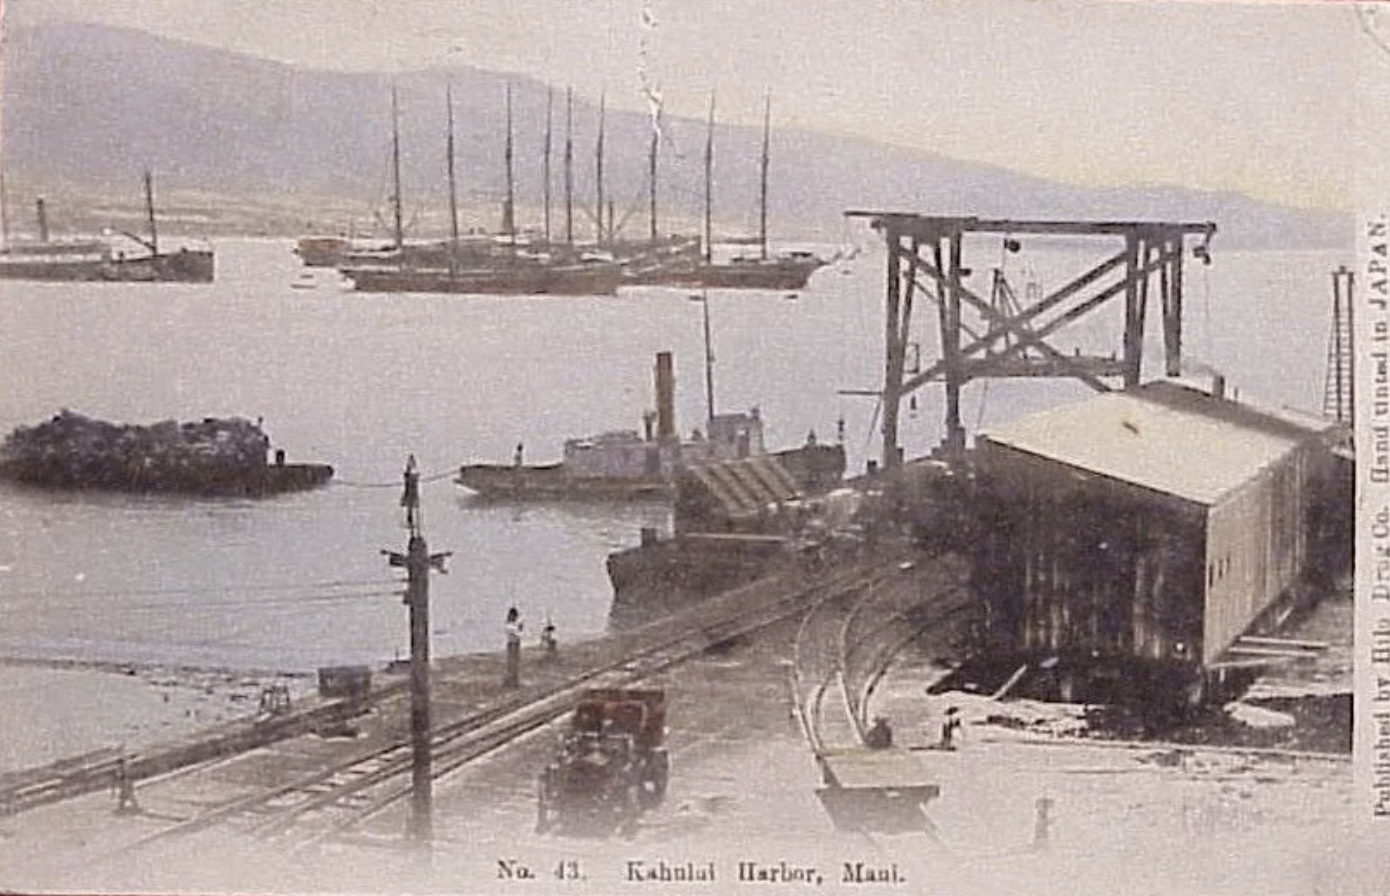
x: 1139, y: 536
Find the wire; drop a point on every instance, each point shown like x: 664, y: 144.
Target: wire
x: 73, y: 599
x: 258, y: 589
x: 396, y: 483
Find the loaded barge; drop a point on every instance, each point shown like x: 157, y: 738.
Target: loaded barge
x: 213, y: 457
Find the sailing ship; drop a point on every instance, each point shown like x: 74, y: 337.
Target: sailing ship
x: 786, y: 272
x: 99, y: 261
x: 485, y: 266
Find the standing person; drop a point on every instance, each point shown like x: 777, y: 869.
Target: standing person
x: 548, y: 643
x: 125, y: 789
x: 514, y: 629
x: 949, y: 729
x: 410, y: 497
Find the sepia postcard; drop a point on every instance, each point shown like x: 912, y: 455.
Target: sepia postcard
x: 694, y: 447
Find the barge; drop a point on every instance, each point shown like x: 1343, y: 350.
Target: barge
x: 225, y: 457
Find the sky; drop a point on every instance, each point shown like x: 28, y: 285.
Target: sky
x: 1260, y: 98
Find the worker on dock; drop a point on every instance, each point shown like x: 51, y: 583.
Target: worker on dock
x: 410, y: 497
x: 950, y: 727
x: 548, y: 643
x: 880, y: 734
x: 125, y: 789
x: 514, y: 629
x: 1042, y: 823
x: 518, y: 453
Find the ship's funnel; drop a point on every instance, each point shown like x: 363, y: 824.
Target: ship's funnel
x: 665, y: 397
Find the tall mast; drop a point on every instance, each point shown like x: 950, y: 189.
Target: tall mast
x: 453, y: 188
x: 4, y: 214
x: 598, y: 161
x: 545, y: 180
x: 762, y: 194
x: 651, y: 180
x: 709, y: 182
x: 396, y: 174
x: 509, y: 212
x: 709, y: 363
x: 149, y: 212
x: 569, y: 166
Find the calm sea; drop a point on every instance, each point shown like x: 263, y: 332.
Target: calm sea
x: 362, y: 381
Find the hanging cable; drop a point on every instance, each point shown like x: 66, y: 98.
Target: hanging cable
x: 396, y: 483
x: 87, y: 594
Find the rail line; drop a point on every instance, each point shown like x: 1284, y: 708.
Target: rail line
x: 352, y: 790
x: 837, y: 650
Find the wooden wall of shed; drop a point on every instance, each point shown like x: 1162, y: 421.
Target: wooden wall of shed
x: 1077, y: 563
x: 1257, y: 548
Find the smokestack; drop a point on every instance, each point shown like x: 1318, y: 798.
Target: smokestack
x: 665, y: 397
x: 1218, y: 386
x: 43, y: 220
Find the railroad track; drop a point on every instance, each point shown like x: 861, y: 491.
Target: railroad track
x: 66, y: 777
x: 314, y: 808
x: 847, y: 643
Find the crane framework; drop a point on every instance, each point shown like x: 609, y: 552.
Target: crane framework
x: 982, y: 337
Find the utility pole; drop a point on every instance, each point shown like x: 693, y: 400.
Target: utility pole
x: 418, y: 561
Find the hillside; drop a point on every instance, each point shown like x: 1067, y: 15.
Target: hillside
x: 244, y: 143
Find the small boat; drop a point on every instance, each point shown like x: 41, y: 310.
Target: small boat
x: 786, y: 273
x: 98, y: 261
x: 518, y: 277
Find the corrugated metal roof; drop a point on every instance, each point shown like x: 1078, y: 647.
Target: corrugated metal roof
x: 1163, y: 437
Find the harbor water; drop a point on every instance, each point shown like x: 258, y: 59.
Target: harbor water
x: 362, y: 381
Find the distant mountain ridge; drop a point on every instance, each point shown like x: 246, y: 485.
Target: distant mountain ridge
x: 86, y: 107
